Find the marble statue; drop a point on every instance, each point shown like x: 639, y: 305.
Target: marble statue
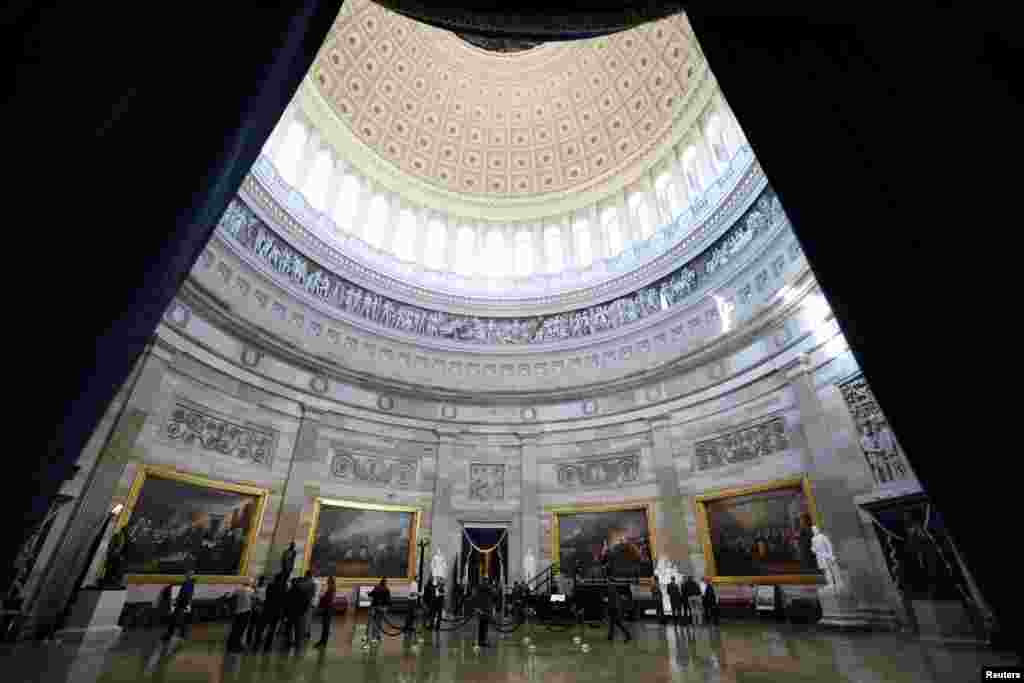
x: 438, y: 567
x: 529, y: 565
x: 822, y: 549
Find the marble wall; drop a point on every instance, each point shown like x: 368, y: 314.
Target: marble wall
x: 357, y: 442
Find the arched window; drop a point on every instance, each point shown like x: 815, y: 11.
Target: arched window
x: 348, y: 204
x: 437, y: 238
x: 377, y: 220
x: 612, y: 230
x: 288, y: 158
x: 581, y: 237
x: 642, y: 214
x: 714, y: 133
x: 319, y: 176
x: 691, y: 168
x: 667, y: 197
x: 464, y: 251
x: 524, y: 253
x: 496, y: 263
x: 553, y: 247
x: 405, y: 237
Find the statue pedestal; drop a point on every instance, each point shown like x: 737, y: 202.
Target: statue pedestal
x: 841, y: 610
x: 945, y: 621
x: 93, y: 620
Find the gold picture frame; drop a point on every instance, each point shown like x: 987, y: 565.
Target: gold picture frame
x: 647, y: 505
x: 703, y: 528
x: 154, y: 471
x: 414, y: 527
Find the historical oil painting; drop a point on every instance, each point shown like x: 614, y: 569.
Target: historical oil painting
x: 358, y: 541
x: 760, y: 534
x: 588, y: 540
x: 176, y: 522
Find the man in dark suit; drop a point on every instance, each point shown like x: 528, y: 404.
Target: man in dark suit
x: 182, y: 607
x: 300, y: 598
x: 429, y: 602
x: 484, y: 605
x: 675, y: 598
x: 614, y: 612
x: 273, y: 611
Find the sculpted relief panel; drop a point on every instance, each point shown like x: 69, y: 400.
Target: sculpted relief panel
x: 620, y: 469
x: 742, y: 445
x: 375, y: 470
x: 192, y: 424
x: 486, y: 482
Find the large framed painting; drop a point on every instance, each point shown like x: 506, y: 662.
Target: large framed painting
x: 760, y: 534
x: 175, y: 522
x: 585, y: 539
x: 362, y: 542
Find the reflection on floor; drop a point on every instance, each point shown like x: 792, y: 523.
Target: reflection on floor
x: 740, y: 652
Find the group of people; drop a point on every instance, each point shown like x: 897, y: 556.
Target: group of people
x: 688, y: 600
x: 262, y: 611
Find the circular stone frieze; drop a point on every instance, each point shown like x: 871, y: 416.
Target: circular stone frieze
x: 251, y: 357
x: 528, y: 413
x: 318, y: 384
x: 449, y: 411
x: 178, y: 314
x: 385, y: 402
x: 589, y: 406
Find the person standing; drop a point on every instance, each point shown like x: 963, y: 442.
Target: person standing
x: 485, y: 604
x: 327, y: 611
x: 438, y: 606
x: 243, y: 613
x: 692, y: 593
x: 380, y: 598
x: 259, y: 599
x: 182, y: 607
x: 300, y: 597
x: 274, y: 610
x: 675, y: 599
x: 614, y: 612
x: 659, y: 601
x: 710, y: 601
x: 429, y: 602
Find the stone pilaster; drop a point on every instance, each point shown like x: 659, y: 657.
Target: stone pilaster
x: 528, y: 502
x: 443, y: 526
x: 671, y: 535
x: 294, y: 515
x: 129, y: 413
x: 837, y: 474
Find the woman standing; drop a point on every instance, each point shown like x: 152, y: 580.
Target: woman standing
x: 327, y: 611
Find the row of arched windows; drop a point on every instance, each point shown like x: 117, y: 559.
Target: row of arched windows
x: 314, y: 174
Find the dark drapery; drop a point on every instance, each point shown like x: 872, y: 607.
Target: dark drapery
x: 129, y: 127
x: 485, y: 538
x: 883, y: 134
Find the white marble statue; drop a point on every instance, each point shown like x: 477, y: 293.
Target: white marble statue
x: 438, y: 567
x: 529, y: 565
x: 823, y: 552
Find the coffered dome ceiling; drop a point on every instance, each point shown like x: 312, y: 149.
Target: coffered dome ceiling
x: 428, y: 114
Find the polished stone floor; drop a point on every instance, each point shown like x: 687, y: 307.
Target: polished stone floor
x: 739, y: 652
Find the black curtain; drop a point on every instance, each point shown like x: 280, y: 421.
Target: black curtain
x: 888, y: 135
x: 129, y: 127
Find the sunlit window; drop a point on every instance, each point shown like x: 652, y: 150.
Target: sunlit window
x: 667, y: 196
x: 319, y: 177
x: 347, y: 205
x: 494, y: 255
x: 715, y: 135
x: 642, y: 214
x: 287, y: 162
x: 553, y: 247
x: 464, y: 251
x: 405, y: 237
x: 437, y: 238
x: 377, y: 221
x: 581, y: 237
x: 612, y: 230
x: 692, y: 170
x: 524, y: 253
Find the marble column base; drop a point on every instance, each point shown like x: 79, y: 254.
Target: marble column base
x: 840, y: 610
x: 944, y: 621
x: 93, y: 620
